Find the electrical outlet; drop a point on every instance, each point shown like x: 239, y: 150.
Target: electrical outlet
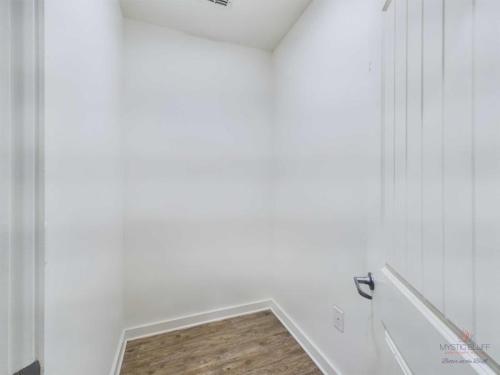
x: 338, y: 318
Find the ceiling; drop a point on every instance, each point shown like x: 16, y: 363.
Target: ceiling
x: 254, y: 23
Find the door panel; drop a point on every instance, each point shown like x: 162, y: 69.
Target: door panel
x: 457, y: 163
x: 400, y: 136
x: 389, y: 120
x: 487, y: 171
x: 441, y: 183
x: 414, y: 148
x: 432, y: 113
x: 416, y: 339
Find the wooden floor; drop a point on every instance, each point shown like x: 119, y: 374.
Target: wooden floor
x: 256, y: 344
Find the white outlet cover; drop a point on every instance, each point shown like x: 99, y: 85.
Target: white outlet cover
x: 338, y: 316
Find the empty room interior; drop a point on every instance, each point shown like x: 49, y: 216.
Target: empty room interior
x: 249, y: 187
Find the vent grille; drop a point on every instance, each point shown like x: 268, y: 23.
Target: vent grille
x: 220, y: 2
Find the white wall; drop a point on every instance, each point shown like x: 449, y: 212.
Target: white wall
x: 198, y: 127
x: 83, y: 186
x: 206, y: 169
x: 327, y: 187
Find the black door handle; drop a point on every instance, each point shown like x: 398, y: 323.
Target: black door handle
x: 367, y: 281
x: 33, y: 369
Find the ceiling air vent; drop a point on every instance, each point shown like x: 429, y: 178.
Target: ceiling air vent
x: 220, y: 2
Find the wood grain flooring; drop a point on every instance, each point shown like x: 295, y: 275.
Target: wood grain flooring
x: 256, y: 344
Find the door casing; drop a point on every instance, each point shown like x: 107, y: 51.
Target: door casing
x: 21, y: 188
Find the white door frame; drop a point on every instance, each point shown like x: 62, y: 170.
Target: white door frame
x: 21, y: 184
x: 5, y: 184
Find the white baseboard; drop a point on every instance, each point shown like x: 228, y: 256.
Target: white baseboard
x: 151, y: 329
x: 188, y: 321
x: 120, y: 351
x: 307, y: 344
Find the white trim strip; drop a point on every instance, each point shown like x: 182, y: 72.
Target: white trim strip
x: 120, y: 351
x: 397, y: 354
x: 318, y: 357
x: 194, y: 320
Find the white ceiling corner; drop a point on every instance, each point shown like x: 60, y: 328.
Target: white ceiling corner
x: 253, y: 23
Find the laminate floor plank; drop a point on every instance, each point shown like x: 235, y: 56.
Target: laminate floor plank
x: 255, y: 344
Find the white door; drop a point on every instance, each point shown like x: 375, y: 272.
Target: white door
x: 21, y: 260
x: 436, y: 256
x: 4, y: 182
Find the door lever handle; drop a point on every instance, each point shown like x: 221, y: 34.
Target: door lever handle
x: 367, y: 281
